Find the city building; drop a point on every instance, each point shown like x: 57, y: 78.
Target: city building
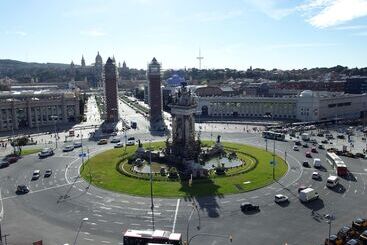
x: 34, y: 109
x: 83, y: 62
x: 98, y: 71
x: 306, y: 106
x: 155, y: 95
x: 356, y: 85
x: 111, y: 98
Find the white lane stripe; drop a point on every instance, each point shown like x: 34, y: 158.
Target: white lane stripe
x: 105, y: 242
x: 45, y: 189
x: 118, y: 223
x: 88, y: 239
x: 175, y: 218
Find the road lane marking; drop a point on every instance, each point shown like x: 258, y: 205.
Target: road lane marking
x: 118, y: 223
x: 88, y: 239
x: 107, y: 242
x: 45, y: 189
x: 175, y: 218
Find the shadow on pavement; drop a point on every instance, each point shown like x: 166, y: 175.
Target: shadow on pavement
x: 207, y: 203
x: 338, y: 189
x: 315, y: 205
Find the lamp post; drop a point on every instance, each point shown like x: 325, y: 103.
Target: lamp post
x: 194, y: 208
x: 79, y: 228
x: 151, y: 181
x: 274, y: 160
x: 54, y: 117
x: 329, y: 218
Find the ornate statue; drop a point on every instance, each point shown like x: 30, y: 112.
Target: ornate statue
x: 218, y: 139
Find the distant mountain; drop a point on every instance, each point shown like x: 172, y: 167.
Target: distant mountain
x: 6, y: 64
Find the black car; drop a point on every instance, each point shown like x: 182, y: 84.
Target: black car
x: 320, y: 134
x: 306, y: 164
x: 4, y: 163
x: 22, y: 189
x: 48, y: 173
x: 248, y: 207
x: 325, y: 142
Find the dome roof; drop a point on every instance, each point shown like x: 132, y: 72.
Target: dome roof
x: 306, y: 93
x: 175, y: 80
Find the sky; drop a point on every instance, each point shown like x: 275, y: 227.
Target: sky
x: 283, y: 34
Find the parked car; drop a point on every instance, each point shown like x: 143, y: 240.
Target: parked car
x: 22, y: 189
x: 68, y: 148
x: 297, y: 142
x: 295, y: 148
x: 119, y: 145
x: 363, y: 237
x: 36, y: 174
x: 279, y: 198
x: 77, y: 144
x: 325, y: 142
x: 305, y: 145
x: 46, y: 152
x: 305, y: 164
x: 345, y: 232
x: 340, y: 136
x: 320, y: 134
x: 353, y: 242
x: 313, y: 150
x: 359, y: 224
x: 248, y: 207
x: 12, y: 158
x: 48, y: 173
x: 333, y: 240
x: 102, y: 142
x: 321, y: 147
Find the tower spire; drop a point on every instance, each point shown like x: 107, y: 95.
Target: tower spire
x: 200, y: 58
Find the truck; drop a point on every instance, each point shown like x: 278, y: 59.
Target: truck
x: 308, y: 195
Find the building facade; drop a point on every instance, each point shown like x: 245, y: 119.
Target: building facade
x: 307, y: 106
x: 356, y: 85
x: 33, y: 109
x: 155, y: 95
x: 98, y: 71
x: 111, y: 97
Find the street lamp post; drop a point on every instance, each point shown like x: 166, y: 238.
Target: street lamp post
x: 194, y: 208
x: 54, y: 117
x: 79, y: 228
x: 151, y: 182
x: 329, y: 218
x: 274, y: 160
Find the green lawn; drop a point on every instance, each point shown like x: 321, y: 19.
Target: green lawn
x: 101, y: 171
x: 30, y: 151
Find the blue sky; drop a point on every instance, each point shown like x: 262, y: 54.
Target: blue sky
x: 283, y: 34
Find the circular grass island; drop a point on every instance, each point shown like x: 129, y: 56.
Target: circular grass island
x: 110, y: 170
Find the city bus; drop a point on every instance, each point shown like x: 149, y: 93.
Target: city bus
x: 273, y: 135
x: 145, y: 237
x: 337, y: 163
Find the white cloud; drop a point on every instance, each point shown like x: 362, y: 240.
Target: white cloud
x: 274, y: 8
x: 301, y: 45
x: 93, y: 33
x: 328, y: 13
x: 20, y: 33
x: 217, y: 16
x: 353, y: 27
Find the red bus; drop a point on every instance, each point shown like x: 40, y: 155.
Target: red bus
x: 337, y: 163
x: 144, y: 237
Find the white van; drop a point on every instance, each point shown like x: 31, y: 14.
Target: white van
x: 308, y: 194
x: 332, y: 181
x: 316, y: 163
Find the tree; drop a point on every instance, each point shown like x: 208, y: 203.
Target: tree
x: 18, y: 143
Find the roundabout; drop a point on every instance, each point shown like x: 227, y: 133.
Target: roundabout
x: 110, y: 170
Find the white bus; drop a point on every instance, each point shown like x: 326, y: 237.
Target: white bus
x: 144, y: 237
x: 273, y: 135
x: 337, y: 163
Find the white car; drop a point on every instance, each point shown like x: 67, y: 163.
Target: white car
x: 119, y: 145
x: 279, y: 198
x: 36, y: 174
x: 130, y: 142
x: 316, y: 175
x: 68, y: 148
x: 115, y: 140
x: 295, y: 148
x: 46, y: 152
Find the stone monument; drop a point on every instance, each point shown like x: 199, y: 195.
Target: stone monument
x: 184, y: 146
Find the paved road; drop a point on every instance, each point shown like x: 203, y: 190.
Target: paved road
x: 46, y: 214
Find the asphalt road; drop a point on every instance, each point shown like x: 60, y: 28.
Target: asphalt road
x: 55, y: 207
